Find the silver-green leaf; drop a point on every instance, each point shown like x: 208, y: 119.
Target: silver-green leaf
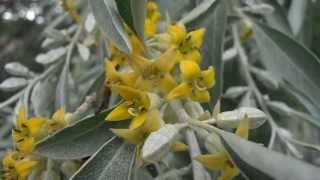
x: 79, y: 140
x: 113, y: 161
x: 13, y: 83
x: 289, y: 60
x: 258, y: 162
x: 110, y: 23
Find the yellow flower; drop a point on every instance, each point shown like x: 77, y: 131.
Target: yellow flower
x: 152, y: 18
x: 195, y: 83
x: 188, y: 44
x: 140, y: 129
x: 220, y: 161
x: 152, y: 11
x: 26, y: 132
x: 24, y: 167
x: 246, y: 30
x: 177, y: 33
x: 155, y: 73
x: 150, y: 28
x: 69, y: 7
x: 137, y: 47
x: 57, y: 121
x: 113, y: 77
x: 136, y: 104
x: 118, y: 58
x: 16, y: 166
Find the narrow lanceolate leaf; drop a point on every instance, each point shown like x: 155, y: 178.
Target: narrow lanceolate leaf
x: 79, y: 140
x: 90, y: 22
x: 197, y: 11
x: 133, y: 13
x: 176, y: 9
x: 138, y: 8
x: 258, y: 162
x: 62, y: 90
x: 12, y: 84
x: 278, y: 19
x: 17, y: 69
x: 113, y: 161
x: 236, y: 91
x: 42, y: 97
x: 110, y: 23
x: 289, y: 60
x: 51, y: 56
x: 83, y: 51
x: 214, y: 20
x: 296, y: 15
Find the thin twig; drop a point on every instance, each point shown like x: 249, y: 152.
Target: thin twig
x: 198, y: 170
x: 82, y: 109
x: 12, y: 99
x: 174, y: 173
x: 244, y: 67
x: 63, y: 98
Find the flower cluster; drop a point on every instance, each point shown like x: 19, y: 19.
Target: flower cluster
x: 19, y: 163
x: 166, y: 69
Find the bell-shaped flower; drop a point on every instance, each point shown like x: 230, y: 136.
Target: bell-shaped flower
x: 17, y: 167
x: 135, y: 106
x: 188, y: 44
x: 139, y: 130
x: 220, y: 161
x: 26, y: 131
x: 152, y: 18
x: 113, y: 77
x: 155, y: 74
x: 195, y: 83
x: 57, y: 121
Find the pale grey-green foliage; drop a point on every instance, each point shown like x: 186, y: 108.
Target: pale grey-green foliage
x: 273, y: 71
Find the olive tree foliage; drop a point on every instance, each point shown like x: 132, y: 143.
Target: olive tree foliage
x: 264, y: 56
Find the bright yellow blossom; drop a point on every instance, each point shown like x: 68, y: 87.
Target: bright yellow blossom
x: 26, y: 131
x: 113, y: 77
x: 69, y: 7
x: 118, y: 58
x: 150, y: 28
x: 155, y: 73
x: 152, y: 18
x: 136, y: 104
x: 152, y: 11
x: 177, y: 33
x: 220, y: 161
x: 16, y: 167
x: 188, y: 44
x: 57, y: 121
x: 195, y: 83
x: 139, y: 130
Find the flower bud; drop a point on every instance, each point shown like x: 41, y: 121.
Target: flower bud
x: 68, y: 168
x: 262, y: 9
x: 50, y: 174
x: 231, y: 119
x: 69, y: 118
